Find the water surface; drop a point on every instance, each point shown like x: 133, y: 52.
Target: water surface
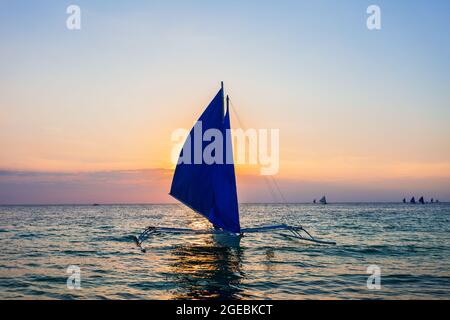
x: 409, y: 243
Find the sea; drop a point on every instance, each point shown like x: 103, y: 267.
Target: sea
x: 382, y: 251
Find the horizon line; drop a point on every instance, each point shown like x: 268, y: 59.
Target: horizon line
x: 245, y: 203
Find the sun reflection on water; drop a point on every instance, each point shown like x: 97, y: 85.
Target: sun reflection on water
x: 206, y: 270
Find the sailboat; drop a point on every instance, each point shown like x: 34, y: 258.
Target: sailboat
x: 404, y: 200
x: 210, y: 189
x: 323, y: 200
x: 421, y: 201
x: 413, y: 200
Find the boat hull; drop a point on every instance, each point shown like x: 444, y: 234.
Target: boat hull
x: 227, y: 239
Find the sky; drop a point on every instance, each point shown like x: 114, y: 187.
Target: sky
x: 87, y: 115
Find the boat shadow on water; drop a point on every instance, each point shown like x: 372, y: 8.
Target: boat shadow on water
x: 212, y: 270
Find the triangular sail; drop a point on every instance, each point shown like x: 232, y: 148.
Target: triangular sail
x: 323, y: 200
x: 209, y: 189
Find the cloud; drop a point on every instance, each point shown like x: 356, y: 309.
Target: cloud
x: 267, y: 189
x: 152, y: 186
x: 122, y: 186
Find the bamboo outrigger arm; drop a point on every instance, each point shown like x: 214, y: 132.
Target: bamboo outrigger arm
x: 297, y: 232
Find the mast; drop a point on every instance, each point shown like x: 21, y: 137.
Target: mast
x: 227, y: 98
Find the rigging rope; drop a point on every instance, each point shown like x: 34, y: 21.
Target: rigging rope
x: 269, y: 179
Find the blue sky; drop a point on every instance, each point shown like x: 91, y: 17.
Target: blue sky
x: 352, y: 105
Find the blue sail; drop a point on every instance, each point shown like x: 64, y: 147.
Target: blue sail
x: 209, y: 189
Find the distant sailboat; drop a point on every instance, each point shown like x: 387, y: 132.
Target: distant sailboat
x: 323, y: 200
x: 421, y: 201
x: 404, y: 200
x: 210, y: 189
x: 314, y: 201
x: 413, y: 200
x: 432, y: 200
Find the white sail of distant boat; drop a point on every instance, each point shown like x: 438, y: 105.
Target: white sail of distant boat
x: 323, y: 200
x: 210, y: 190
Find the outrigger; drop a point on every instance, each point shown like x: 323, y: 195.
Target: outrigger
x: 210, y: 188
x: 296, y: 233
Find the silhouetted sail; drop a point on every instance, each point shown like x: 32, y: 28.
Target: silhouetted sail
x: 413, y: 200
x: 314, y: 201
x: 209, y: 189
x: 421, y: 200
x: 323, y: 200
x: 432, y: 200
x: 404, y: 200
